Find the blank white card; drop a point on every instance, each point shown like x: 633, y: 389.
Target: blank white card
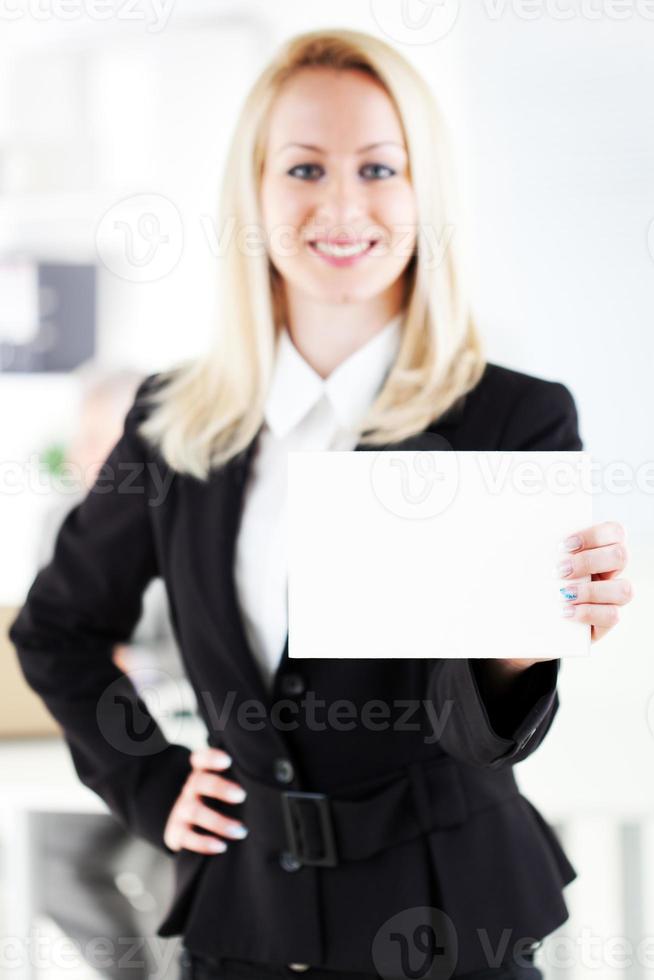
x: 433, y: 554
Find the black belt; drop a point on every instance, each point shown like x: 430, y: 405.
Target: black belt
x: 317, y: 829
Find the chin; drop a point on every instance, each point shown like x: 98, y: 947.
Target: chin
x: 343, y: 297
x: 335, y: 292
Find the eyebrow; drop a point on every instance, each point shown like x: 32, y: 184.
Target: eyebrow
x: 363, y: 149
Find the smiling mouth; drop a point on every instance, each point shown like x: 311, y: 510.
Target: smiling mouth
x: 342, y: 250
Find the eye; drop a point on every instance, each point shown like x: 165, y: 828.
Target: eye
x: 369, y: 171
x: 306, y: 171
x: 376, y: 171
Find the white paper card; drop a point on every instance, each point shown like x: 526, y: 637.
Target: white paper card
x: 433, y: 553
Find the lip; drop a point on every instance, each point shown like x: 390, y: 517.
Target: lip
x: 343, y: 240
x: 342, y: 261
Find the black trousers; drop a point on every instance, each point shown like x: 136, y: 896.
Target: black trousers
x: 194, y: 967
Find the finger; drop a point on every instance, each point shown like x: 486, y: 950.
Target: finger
x: 202, y: 843
x: 209, y: 758
x: 596, y: 536
x: 207, y: 784
x: 610, y: 558
x: 602, y: 616
x: 198, y: 813
x: 618, y: 591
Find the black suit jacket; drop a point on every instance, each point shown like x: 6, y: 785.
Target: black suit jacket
x: 464, y: 840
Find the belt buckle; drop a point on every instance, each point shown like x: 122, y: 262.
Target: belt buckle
x: 292, y: 802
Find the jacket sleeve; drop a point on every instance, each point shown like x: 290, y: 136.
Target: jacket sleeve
x: 483, y: 725
x: 83, y: 602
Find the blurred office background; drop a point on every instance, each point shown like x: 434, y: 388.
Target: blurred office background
x: 114, y: 123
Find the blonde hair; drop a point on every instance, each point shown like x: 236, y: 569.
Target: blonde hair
x: 210, y: 409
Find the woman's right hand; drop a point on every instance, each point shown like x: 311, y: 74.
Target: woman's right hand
x: 189, y: 810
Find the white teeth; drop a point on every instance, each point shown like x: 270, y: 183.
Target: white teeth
x: 341, y: 251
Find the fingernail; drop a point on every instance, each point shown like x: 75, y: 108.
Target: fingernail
x: 223, y: 758
x: 564, y: 568
x: 568, y: 611
x: 567, y: 592
x: 572, y: 543
x: 237, y: 830
x: 237, y: 795
x: 217, y: 845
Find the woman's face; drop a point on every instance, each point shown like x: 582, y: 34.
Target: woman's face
x: 338, y: 207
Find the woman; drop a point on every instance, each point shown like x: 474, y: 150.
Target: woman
x: 350, y: 850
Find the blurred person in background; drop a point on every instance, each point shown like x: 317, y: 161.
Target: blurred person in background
x: 97, y: 879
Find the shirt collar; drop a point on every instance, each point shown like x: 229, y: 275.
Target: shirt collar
x: 351, y: 387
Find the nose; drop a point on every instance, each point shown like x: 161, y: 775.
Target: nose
x: 341, y: 202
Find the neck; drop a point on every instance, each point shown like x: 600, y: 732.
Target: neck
x: 327, y: 333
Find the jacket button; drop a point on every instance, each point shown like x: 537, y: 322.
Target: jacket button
x: 289, y: 862
x: 292, y: 684
x: 284, y: 772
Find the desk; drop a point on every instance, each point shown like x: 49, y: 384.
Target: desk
x: 38, y: 777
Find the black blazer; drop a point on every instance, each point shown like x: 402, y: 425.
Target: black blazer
x: 407, y: 821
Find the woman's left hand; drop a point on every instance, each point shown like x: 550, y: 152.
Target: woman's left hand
x: 601, y: 552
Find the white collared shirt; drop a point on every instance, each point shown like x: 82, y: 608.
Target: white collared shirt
x: 302, y: 412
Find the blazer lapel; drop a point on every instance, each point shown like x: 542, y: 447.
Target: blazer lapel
x: 213, y: 513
